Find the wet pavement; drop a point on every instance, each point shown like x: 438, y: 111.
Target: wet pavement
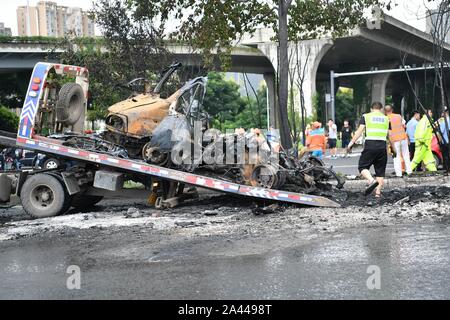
x: 414, y: 261
x: 349, y: 165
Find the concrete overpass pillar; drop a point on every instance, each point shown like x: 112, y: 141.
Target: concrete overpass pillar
x: 269, y: 78
x: 304, y: 56
x: 397, y: 98
x: 378, y: 88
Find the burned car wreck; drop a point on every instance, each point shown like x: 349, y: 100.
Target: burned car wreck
x: 175, y: 133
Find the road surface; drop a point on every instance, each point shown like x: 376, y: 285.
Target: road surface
x: 349, y: 165
x: 414, y: 263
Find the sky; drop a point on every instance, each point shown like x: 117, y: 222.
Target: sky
x: 407, y: 11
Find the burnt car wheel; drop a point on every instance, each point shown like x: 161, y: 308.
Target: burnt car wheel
x: 51, y: 163
x: 154, y: 155
x: 265, y: 176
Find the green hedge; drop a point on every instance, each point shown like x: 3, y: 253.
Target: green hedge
x: 9, y: 121
x: 49, y: 40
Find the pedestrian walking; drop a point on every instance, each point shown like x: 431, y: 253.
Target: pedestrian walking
x: 332, y: 138
x: 375, y: 125
x: 423, y: 137
x: 346, y: 134
x: 444, y: 123
x: 399, y: 141
x: 410, y: 130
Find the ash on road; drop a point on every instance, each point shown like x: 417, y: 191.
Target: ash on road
x: 224, y: 247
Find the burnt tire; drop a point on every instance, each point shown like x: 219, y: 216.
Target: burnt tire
x: 81, y: 201
x: 43, y: 195
x: 70, y: 104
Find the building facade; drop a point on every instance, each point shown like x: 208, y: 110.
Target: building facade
x: 50, y: 20
x: 4, y: 31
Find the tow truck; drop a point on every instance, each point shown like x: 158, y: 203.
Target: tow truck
x: 52, y: 123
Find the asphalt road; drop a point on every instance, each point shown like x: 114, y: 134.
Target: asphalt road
x: 349, y: 165
x: 413, y: 260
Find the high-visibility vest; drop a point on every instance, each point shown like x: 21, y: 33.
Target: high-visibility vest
x: 397, y: 132
x: 377, y: 126
x: 424, y: 131
x: 316, y: 140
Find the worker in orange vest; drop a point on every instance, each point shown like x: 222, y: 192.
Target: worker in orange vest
x: 399, y: 140
x: 316, y: 141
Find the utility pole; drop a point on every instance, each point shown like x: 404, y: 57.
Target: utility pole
x: 267, y: 107
x: 332, y: 97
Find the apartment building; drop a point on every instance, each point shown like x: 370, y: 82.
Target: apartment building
x: 50, y: 20
x: 4, y: 31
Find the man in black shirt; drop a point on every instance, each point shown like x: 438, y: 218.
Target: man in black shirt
x: 346, y: 134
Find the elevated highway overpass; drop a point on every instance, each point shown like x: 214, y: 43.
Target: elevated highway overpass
x: 362, y: 49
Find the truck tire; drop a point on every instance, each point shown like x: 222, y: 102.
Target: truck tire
x: 43, y: 195
x: 70, y: 104
x: 82, y: 201
x: 68, y: 197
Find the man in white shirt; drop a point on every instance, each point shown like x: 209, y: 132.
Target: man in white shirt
x: 332, y: 138
x: 410, y: 130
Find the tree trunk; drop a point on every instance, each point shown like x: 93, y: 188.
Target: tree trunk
x: 283, y: 74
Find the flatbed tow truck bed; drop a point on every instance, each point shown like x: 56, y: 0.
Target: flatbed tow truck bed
x: 103, y: 162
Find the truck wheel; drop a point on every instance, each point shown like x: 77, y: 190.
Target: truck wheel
x: 70, y: 104
x: 68, y: 198
x: 43, y: 195
x: 81, y: 201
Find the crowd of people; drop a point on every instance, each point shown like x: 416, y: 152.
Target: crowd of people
x: 410, y: 143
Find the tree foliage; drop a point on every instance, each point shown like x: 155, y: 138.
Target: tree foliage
x: 9, y: 121
x: 228, y: 109
x: 345, y: 107
x: 214, y: 26
x: 222, y: 99
x: 13, y: 87
x: 131, y: 48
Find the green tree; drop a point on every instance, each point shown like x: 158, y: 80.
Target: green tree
x: 214, y: 26
x: 228, y: 109
x: 345, y: 107
x: 13, y: 87
x: 222, y: 101
x: 9, y: 121
x: 131, y: 47
x: 254, y: 113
